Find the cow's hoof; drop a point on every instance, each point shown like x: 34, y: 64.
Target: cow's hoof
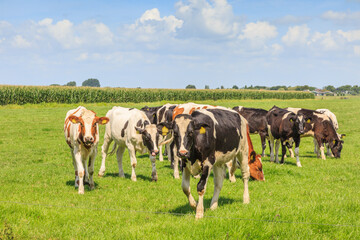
x: 101, y: 174
x: 232, y: 179
x: 214, y: 206
x: 92, y: 186
x: 197, y: 176
x: 177, y: 176
x: 199, y: 215
x: 298, y: 164
x: 122, y: 175
x: 133, y: 179
x: 81, y: 191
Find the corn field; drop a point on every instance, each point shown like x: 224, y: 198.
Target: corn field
x: 33, y: 94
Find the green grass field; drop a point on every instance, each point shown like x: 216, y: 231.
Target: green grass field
x: 321, y: 200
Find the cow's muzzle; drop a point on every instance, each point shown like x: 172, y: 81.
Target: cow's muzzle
x: 88, y: 141
x: 183, y: 153
x: 154, y: 153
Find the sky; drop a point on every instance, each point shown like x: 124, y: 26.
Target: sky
x: 170, y: 44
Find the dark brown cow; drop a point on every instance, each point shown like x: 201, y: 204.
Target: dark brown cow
x: 320, y: 127
x: 256, y: 118
x: 284, y: 125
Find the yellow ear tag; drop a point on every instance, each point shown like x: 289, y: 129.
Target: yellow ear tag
x: 74, y: 121
x: 291, y: 120
x: 334, y: 142
x: 202, y: 130
x: 165, y: 131
x: 342, y: 137
x: 104, y: 121
x: 308, y: 121
x: 137, y: 132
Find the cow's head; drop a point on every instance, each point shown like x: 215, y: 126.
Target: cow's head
x: 151, y: 113
x: 255, y: 166
x: 150, y: 138
x: 336, y: 147
x: 88, y: 126
x: 295, y: 122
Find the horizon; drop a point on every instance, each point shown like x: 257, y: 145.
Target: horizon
x: 171, y: 44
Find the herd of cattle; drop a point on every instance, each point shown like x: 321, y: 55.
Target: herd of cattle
x: 199, y: 138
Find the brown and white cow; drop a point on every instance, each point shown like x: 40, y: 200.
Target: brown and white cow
x: 208, y: 139
x: 82, y: 135
x: 334, y: 121
x: 284, y: 125
x: 256, y: 118
x: 320, y: 127
x: 130, y: 128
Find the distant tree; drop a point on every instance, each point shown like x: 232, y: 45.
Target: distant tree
x: 222, y: 87
x: 305, y: 87
x: 278, y: 88
x: 72, y: 83
x: 55, y: 85
x: 91, y: 82
x: 207, y: 87
x: 329, y: 88
x: 235, y: 87
x: 190, y: 86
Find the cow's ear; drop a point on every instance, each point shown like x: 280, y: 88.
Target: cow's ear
x: 203, y: 127
x: 164, y: 128
x: 308, y: 120
x: 103, y: 120
x: 139, y: 130
x: 252, y: 157
x: 74, y: 119
x: 342, y: 136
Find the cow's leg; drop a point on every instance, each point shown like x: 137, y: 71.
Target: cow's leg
x: 104, y: 151
x: 185, y: 184
x: 81, y: 170
x: 169, y: 152
x: 321, y: 147
x: 201, y: 189
x: 119, y: 156
x: 175, y: 163
x: 315, y: 146
x: 75, y: 168
x: 154, y: 176
x: 263, y: 143
x: 271, y: 145
x: 283, y: 151
x: 245, y: 172
x: 132, y: 153
x: 219, y: 175
x: 91, y: 168
x: 231, y: 165
x: 277, y: 145
x: 297, y: 144
x: 329, y: 153
x: 161, y: 157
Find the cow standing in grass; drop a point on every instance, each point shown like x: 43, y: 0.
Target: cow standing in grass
x: 208, y: 139
x: 130, y: 128
x: 82, y: 135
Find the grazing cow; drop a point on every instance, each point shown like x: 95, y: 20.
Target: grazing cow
x: 284, y: 125
x: 321, y: 128
x: 82, y: 135
x: 130, y: 128
x: 334, y: 121
x: 208, y: 139
x: 158, y: 115
x: 256, y: 118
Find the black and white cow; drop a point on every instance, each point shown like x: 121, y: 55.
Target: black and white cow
x: 158, y: 115
x: 284, y: 125
x: 256, y: 118
x: 208, y: 139
x: 320, y: 127
x: 130, y: 128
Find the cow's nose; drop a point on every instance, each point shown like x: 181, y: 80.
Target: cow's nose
x: 155, y: 152
x: 183, y: 153
x: 89, y: 139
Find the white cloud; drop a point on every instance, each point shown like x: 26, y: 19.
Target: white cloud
x: 20, y: 42
x: 259, y: 31
x: 82, y: 57
x: 297, y: 35
x: 290, y: 19
x: 204, y: 19
x: 326, y: 40
x: 341, y: 17
x: 357, y: 50
x: 350, y: 36
x: 276, y: 49
x: 150, y: 26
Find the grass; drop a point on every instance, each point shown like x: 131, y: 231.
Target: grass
x: 38, y: 200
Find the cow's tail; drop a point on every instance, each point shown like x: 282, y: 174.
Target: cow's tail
x: 113, y: 149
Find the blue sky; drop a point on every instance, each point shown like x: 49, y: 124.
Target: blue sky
x: 169, y: 44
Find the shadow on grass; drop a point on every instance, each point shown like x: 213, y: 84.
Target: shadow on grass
x: 128, y: 176
x: 185, y: 209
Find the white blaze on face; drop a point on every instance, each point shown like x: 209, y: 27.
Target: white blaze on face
x: 183, y: 124
x: 152, y: 130
x: 88, y: 118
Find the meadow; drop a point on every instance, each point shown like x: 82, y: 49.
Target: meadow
x: 38, y: 200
